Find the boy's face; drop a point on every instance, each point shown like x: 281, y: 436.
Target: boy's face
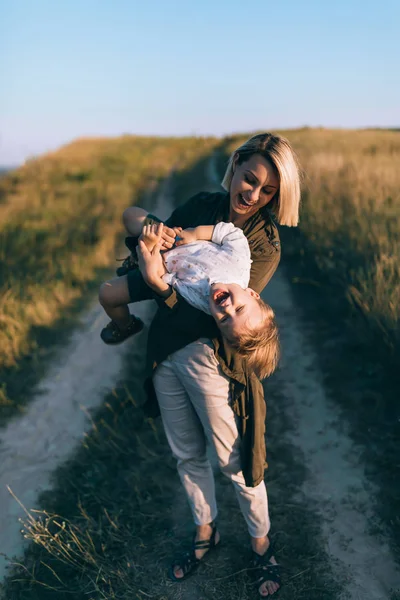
x: 234, y: 309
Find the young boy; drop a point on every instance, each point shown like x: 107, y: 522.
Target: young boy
x: 210, y: 268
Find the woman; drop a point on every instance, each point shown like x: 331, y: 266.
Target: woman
x: 204, y: 391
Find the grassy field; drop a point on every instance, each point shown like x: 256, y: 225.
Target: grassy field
x: 343, y: 262
x: 60, y: 230
x: 60, y: 220
x: 112, y: 522
x: 350, y: 220
x: 114, y: 501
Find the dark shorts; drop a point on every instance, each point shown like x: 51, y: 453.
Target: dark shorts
x: 138, y: 289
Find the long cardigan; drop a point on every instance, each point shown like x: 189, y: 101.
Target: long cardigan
x: 177, y: 324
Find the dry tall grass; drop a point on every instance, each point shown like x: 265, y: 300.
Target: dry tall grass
x: 350, y: 217
x: 60, y: 219
x: 118, y: 496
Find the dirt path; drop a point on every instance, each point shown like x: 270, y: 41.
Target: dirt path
x: 319, y: 495
x: 335, y: 486
x: 34, y: 445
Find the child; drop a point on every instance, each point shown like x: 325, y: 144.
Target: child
x: 210, y: 268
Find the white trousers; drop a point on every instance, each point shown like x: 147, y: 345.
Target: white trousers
x: 193, y: 395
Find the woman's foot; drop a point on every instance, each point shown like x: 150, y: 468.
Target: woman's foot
x: 206, y: 538
x: 265, y: 566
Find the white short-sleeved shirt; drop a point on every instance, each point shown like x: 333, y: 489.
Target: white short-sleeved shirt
x: 194, y: 267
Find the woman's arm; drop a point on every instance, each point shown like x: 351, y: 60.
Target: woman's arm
x: 262, y: 269
x: 135, y: 217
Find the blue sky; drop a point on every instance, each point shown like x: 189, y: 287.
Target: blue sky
x: 107, y: 67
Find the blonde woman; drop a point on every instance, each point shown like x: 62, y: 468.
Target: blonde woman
x: 204, y: 389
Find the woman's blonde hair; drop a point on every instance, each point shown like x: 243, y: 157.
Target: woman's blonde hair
x: 278, y: 151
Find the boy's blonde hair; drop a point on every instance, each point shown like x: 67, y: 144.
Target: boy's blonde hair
x: 278, y: 151
x: 260, y: 345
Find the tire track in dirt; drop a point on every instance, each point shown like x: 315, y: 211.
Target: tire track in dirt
x: 34, y: 445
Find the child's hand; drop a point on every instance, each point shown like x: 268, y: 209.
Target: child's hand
x: 151, y: 235
x: 186, y: 236
x: 151, y: 266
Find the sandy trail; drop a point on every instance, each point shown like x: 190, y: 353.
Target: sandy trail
x: 336, y: 487
x: 34, y: 445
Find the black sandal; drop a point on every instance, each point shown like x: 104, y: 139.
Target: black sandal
x: 112, y: 334
x: 265, y: 570
x: 187, y: 561
x: 128, y: 264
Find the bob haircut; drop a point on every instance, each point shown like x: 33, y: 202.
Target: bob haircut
x: 278, y: 151
x: 260, y: 345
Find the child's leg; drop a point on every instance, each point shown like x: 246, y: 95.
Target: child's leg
x: 114, y: 298
x: 133, y: 218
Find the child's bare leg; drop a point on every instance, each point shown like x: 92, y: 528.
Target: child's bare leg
x: 133, y: 218
x: 114, y: 298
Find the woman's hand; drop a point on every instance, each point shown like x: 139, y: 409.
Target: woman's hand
x: 167, y: 237
x: 152, y: 268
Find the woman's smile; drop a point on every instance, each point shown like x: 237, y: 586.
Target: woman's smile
x: 242, y: 201
x: 254, y: 183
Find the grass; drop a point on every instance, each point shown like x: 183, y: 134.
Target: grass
x: 350, y: 221
x: 60, y: 228
x: 117, y: 514
x: 118, y: 496
x: 344, y: 265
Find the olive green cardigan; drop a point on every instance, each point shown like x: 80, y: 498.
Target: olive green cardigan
x: 177, y: 324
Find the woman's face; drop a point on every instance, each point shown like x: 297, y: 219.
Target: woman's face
x: 254, y: 184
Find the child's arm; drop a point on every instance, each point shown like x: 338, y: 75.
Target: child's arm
x: 194, y: 234
x: 222, y: 234
x: 152, y: 235
x: 152, y: 268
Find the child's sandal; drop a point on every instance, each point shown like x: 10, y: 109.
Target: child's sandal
x: 129, y: 263
x: 112, y: 334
